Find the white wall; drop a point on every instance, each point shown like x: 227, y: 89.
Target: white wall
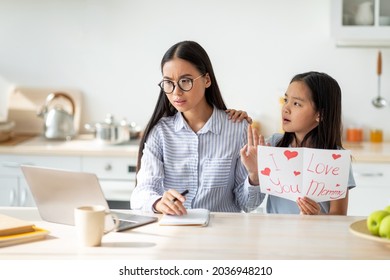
x: 111, y: 50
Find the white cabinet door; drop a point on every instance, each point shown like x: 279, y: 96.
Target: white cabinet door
x: 372, y: 191
x: 14, y: 189
x: 8, y: 191
x: 117, y: 190
x: 116, y: 176
x: 110, y: 167
x: 25, y: 197
x: 361, y: 22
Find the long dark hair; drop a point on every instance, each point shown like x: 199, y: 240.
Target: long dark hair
x: 326, y: 97
x: 197, y: 56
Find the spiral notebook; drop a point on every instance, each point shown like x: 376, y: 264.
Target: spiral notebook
x: 194, y: 217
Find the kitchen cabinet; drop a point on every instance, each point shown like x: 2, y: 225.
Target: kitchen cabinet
x: 116, y: 176
x: 372, y: 191
x: 9, y: 190
x: 13, y: 187
x: 361, y: 22
x: 15, y: 192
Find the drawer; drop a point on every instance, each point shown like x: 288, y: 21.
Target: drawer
x: 372, y: 190
x: 10, y: 164
x: 371, y: 174
x: 110, y: 167
x: 117, y: 190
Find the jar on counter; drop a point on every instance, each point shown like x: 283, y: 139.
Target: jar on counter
x: 354, y: 134
x: 376, y: 136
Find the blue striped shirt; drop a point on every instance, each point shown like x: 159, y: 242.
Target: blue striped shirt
x: 207, y: 163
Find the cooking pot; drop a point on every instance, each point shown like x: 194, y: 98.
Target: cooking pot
x: 112, y: 132
x: 58, y: 122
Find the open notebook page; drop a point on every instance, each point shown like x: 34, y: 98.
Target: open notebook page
x: 194, y: 217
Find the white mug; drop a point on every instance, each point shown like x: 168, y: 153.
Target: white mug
x: 90, y: 224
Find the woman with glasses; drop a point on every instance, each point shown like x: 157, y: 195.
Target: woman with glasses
x: 190, y: 143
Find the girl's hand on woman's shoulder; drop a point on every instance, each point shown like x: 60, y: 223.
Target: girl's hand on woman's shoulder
x: 238, y: 115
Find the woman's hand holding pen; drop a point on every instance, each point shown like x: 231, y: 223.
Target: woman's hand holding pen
x: 249, y: 154
x: 171, y: 203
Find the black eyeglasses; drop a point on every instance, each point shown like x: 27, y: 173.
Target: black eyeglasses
x: 185, y: 84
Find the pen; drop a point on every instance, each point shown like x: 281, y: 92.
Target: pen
x: 183, y: 194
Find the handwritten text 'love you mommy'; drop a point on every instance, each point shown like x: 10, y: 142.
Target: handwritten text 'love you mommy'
x: 295, y: 172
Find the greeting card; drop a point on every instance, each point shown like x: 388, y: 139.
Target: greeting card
x: 321, y: 175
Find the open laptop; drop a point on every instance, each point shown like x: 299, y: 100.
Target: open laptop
x: 57, y: 192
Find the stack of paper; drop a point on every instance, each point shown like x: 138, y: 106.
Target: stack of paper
x: 15, y: 231
x: 194, y: 217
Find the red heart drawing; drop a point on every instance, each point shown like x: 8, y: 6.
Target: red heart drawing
x: 268, y: 189
x: 296, y: 173
x: 337, y: 185
x: 289, y: 155
x: 336, y: 156
x: 266, y: 171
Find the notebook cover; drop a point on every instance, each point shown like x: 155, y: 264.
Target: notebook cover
x: 10, y: 225
x: 36, y: 234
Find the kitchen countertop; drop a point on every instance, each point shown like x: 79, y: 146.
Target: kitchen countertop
x: 369, y: 152
x: 85, y: 145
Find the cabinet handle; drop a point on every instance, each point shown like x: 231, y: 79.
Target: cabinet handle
x: 12, y: 197
x: 131, y: 168
x: 108, y: 167
x: 366, y: 174
x: 23, y: 197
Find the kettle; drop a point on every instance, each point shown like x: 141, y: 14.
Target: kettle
x: 58, y: 123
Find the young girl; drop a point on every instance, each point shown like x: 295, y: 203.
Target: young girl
x: 190, y: 143
x: 311, y: 117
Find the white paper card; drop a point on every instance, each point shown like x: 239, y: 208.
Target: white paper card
x: 319, y: 174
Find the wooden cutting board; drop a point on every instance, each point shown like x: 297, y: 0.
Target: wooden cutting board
x: 17, y: 139
x: 25, y: 102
